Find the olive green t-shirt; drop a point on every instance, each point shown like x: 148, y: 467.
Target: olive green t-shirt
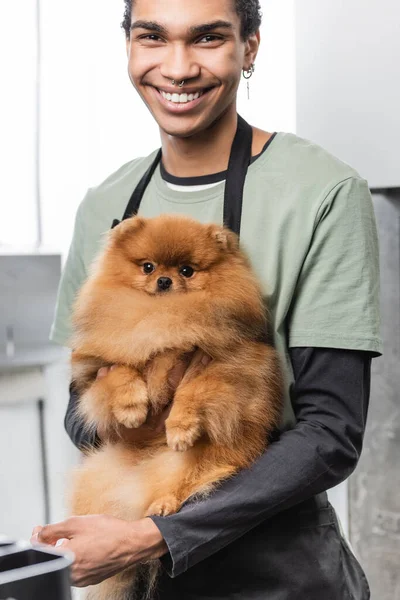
x: 308, y: 228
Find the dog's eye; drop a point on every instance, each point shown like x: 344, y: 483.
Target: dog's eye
x: 148, y: 268
x: 186, y: 271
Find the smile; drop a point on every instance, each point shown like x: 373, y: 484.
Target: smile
x: 183, y: 102
x: 180, y: 98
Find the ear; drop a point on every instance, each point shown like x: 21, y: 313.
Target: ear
x: 251, y: 50
x: 226, y: 239
x: 128, y: 227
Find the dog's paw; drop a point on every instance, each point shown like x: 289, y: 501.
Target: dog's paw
x: 131, y: 406
x: 164, y: 506
x: 131, y: 416
x: 182, y: 433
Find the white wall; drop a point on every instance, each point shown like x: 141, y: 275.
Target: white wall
x: 348, y: 83
x: 17, y: 121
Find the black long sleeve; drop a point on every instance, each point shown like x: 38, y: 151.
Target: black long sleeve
x: 74, y: 426
x: 330, y: 400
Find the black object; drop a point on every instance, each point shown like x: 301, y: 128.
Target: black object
x: 239, y: 162
x: 33, y: 573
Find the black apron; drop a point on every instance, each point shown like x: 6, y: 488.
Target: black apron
x: 239, y: 162
x: 299, y: 554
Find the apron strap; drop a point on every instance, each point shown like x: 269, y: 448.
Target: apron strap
x: 239, y: 162
x: 134, y: 201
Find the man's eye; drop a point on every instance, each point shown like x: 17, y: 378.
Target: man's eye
x: 208, y: 39
x: 186, y: 271
x: 148, y: 268
x: 150, y: 37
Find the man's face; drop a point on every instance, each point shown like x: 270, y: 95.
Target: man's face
x: 197, y: 41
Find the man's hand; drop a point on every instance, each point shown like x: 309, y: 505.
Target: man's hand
x: 103, y: 546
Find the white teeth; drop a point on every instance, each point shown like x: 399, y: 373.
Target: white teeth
x: 180, y: 98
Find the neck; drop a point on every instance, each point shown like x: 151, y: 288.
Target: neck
x: 201, y: 154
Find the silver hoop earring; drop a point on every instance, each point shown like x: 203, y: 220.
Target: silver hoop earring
x: 247, y: 74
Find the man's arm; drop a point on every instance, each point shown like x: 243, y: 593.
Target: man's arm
x: 330, y: 400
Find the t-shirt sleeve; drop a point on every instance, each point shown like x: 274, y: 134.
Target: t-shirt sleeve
x: 73, y: 276
x: 336, y: 301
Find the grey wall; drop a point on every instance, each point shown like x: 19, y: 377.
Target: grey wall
x: 375, y: 486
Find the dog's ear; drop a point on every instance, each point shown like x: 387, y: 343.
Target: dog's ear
x: 127, y: 228
x: 226, y: 239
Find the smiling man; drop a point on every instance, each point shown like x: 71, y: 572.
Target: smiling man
x: 307, y: 224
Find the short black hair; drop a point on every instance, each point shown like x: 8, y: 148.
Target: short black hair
x: 249, y: 12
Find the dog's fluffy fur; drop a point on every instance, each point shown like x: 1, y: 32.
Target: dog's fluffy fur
x: 221, y: 413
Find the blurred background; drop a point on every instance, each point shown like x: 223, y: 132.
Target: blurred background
x: 328, y: 70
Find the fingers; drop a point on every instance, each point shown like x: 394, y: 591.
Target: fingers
x: 190, y: 365
x: 103, y: 371
x: 176, y: 374
x: 200, y: 358
x: 50, y: 534
x: 198, y: 363
x: 35, y: 532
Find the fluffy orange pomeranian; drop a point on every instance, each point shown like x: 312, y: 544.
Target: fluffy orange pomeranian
x: 161, y: 288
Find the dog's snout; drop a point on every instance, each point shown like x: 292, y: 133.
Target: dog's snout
x: 164, y: 283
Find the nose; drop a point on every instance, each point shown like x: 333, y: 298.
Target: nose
x: 164, y: 283
x: 178, y: 63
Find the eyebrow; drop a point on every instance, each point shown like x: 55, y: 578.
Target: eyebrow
x: 195, y: 30
x: 207, y: 27
x: 149, y: 25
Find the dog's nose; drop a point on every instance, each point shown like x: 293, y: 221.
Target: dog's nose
x: 164, y: 283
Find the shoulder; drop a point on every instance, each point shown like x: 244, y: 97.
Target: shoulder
x: 305, y: 168
x: 313, y: 160
x: 101, y: 205
x: 109, y: 198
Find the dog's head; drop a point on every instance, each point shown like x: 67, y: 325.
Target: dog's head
x: 168, y: 254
